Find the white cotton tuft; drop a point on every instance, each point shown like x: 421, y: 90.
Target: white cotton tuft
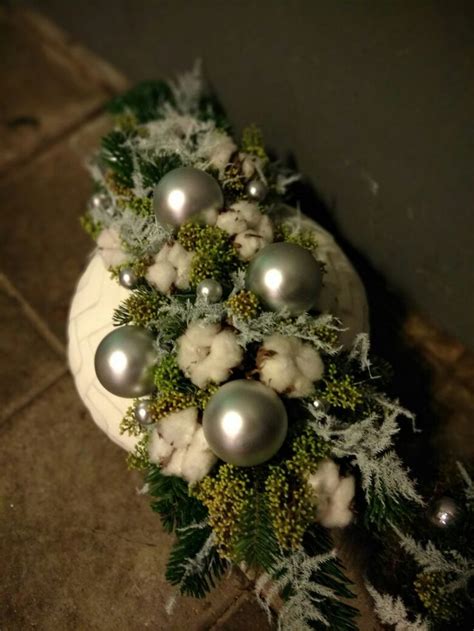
x: 171, y: 268
x: 289, y: 365
x: 217, y: 147
x: 333, y: 494
x: 199, y: 459
x: 250, y: 228
x: 208, y: 354
x: 110, y: 248
x: 179, y: 446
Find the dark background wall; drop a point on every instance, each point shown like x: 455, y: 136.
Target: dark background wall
x: 375, y: 101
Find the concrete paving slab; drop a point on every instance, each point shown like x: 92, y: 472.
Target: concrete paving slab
x: 28, y: 362
x: 80, y: 548
x: 42, y: 246
x: 49, y: 85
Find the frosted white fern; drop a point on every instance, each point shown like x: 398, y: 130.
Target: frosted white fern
x: 297, y: 572
x: 392, y: 611
x: 469, y: 484
x: 188, y: 89
x: 369, y: 443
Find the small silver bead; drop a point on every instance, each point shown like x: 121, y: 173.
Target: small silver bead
x: 209, y: 290
x: 142, y: 412
x: 128, y: 278
x: 101, y: 201
x: 319, y: 405
x: 257, y: 190
x: 444, y: 512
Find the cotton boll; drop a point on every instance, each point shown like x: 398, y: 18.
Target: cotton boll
x: 181, y: 260
x: 265, y: 228
x: 231, y: 222
x: 217, y: 147
x: 209, y: 216
x: 178, y: 428
x: 174, y: 466
x: 248, y: 244
x: 278, y: 372
x: 161, y: 275
x: 110, y: 248
x: 249, y: 212
x: 199, y: 459
x: 279, y: 344
x: 334, y: 495
x: 158, y: 449
x: 207, y: 354
x: 309, y: 362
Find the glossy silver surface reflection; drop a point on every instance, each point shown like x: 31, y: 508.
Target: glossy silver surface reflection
x: 444, y: 512
x: 209, y: 290
x: 142, y: 413
x: 124, y: 362
x: 128, y: 278
x: 285, y: 275
x: 184, y: 193
x: 257, y: 190
x: 245, y: 423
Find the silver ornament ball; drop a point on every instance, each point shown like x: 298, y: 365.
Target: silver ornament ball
x: 185, y: 193
x: 257, y: 190
x: 285, y: 275
x: 124, y: 362
x: 444, y: 512
x: 318, y: 405
x: 245, y: 423
x: 209, y: 290
x: 142, y: 413
x: 101, y: 201
x: 128, y: 278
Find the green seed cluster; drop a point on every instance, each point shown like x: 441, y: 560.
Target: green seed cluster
x: 341, y: 390
x: 215, y: 256
x: 141, y: 206
x: 234, y: 182
x: 244, y: 305
x: 188, y: 235
x: 93, y: 228
x: 129, y: 424
x: 138, y: 266
x: 308, y: 451
x: 202, y: 396
x: 431, y: 590
x: 168, y: 376
x: 142, y: 307
x: 304, y: 237
x: 291, y: 506
x: 138, y: 458
x: 170, y: 402
x: 126, y: 121
x: 252, y: 142
x: 225, y: 496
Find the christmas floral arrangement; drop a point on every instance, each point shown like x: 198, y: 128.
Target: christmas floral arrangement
x: 260, y: 429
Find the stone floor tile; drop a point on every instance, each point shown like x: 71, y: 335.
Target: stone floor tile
x: 244, y: 615
x: 79, y: 547
x: 48, y: 85
x: 28, y: 364
x: 42, y: 246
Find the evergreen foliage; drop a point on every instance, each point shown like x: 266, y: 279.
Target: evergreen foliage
x: 145, y: 101
x: 255, y: 542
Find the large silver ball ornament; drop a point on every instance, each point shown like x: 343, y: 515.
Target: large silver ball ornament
x: 124, y: 362
x: 444, y: 512
x: 285, y: 275
x: 209, y: 290
x: 127, y: 278
x: 184, y: 194
x: 257, y: 190
x: 245, y: 423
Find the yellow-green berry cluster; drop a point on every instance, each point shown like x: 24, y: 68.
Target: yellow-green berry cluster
x: 170, y: 402
x: 225, y: 496
x: 138, y: 266
x: 138, y: 458
x: 215, y: 256
x: 126, y: 121
x: 93, y: 228
x: 202, y: 396
x: 141, y: 206
x: 142, y: 307
x: 129, y: 424
x: 252, y: 142
x: 291, y: 506
x: 234, y: 180
x: 168, y: 376
x: 244, y: 305
x: 431, y: 590
x: 188, y: 235
x: 341, y: 390
x: 303, y: 237
x: 308, y: 451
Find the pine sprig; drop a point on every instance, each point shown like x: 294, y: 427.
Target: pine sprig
x: 172, y: 501
x: 256, y: 544
x: 194, y: 564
